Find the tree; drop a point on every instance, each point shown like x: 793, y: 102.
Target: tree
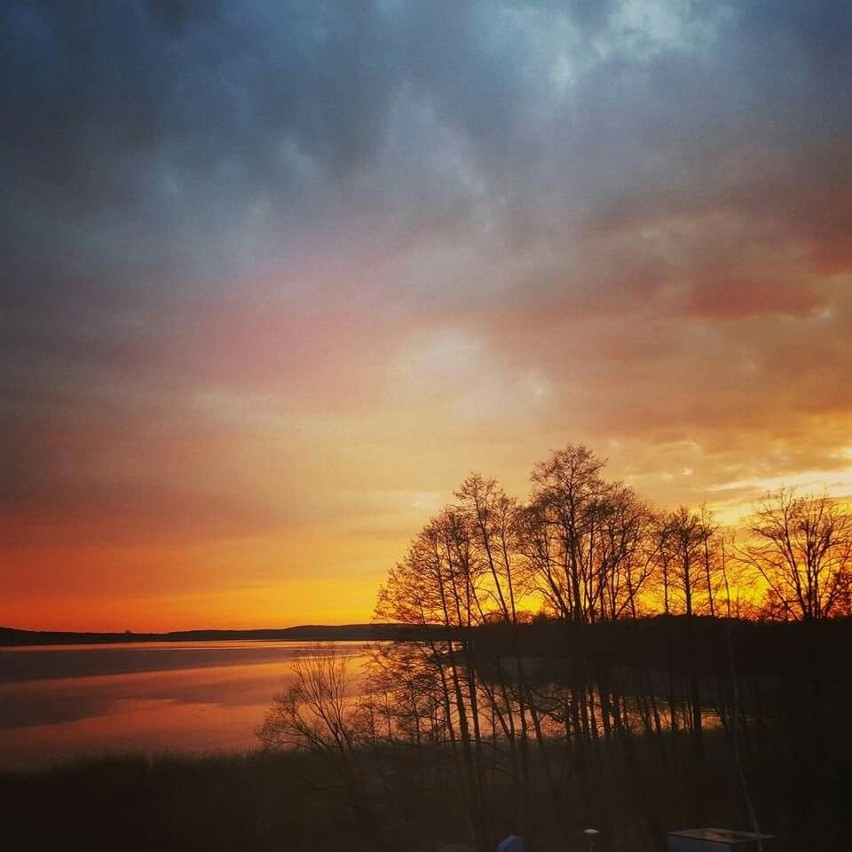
x: 439, y: 587
x: 802, y: 548
x: 560, y: 538
x: 684, y: 552
x: 585, y: 540
x: 317, y: 715
x: 624, y: 563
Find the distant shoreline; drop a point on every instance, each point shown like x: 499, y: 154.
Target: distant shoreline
x: 13, y: 637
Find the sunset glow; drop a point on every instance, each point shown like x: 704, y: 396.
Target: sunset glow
x: 277, y: 277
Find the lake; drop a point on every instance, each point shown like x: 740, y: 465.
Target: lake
x: 59, y: 703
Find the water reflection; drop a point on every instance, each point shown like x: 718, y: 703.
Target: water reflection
x: 60, y: 703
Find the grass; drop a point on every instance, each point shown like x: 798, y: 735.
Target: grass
x: 261, y: 802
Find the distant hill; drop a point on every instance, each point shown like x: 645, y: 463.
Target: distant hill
x: 10, y: 636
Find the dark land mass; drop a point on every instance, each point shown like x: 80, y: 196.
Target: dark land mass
x: 10, y: 636
x: 678, y: 643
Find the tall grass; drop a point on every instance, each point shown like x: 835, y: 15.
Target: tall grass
x: 259, y: 802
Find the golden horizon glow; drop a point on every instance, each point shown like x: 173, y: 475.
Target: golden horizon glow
x: 281, y: 583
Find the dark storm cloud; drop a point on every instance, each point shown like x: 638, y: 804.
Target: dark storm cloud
x: 131, y: 148
x: 184, y: 141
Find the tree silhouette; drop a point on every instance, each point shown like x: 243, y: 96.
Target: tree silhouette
x: 802, y: 547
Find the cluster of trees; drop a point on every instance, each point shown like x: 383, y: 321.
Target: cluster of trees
x: 537, y: 711
x: 584, y: 549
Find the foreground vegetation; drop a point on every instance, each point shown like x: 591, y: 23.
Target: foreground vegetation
x: 297, y: 802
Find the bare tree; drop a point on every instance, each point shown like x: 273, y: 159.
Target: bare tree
x: 684, y: 553
x: 563, y: 531
x: 439, y: 587
x: 313, y: 713
x: 317, y: 714
x: 624, y: 562
x: 585, y: 540
x: 802, y: 548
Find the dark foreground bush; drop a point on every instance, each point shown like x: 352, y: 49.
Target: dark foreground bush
x: 246, y: 802
x: 264, y: 802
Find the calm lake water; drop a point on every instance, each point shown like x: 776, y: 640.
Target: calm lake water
x: 63, y: 702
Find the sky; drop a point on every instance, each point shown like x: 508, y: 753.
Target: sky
x: 276, y: 276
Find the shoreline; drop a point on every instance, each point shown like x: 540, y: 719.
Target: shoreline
x: 11, y: 637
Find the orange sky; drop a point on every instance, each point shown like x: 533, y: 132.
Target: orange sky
x: 273, y: 295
